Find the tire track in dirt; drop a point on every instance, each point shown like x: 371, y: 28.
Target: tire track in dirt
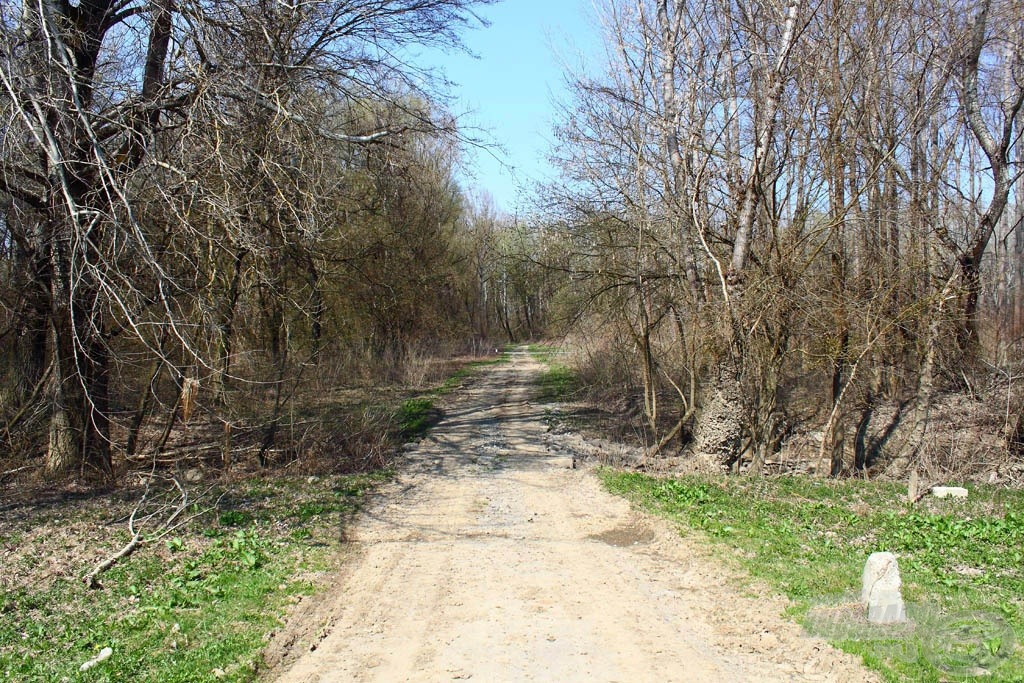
x: 491, y: 559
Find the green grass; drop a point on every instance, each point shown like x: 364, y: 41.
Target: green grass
x: 415, y: 417
x: 193, y: 607
x: 962, y: 562
x: 556, y: 383
x: 543, y: 353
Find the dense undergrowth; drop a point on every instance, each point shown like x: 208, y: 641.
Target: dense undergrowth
x: 962, y: 562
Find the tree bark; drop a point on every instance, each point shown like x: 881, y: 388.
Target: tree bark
x: 996, y: 146
x: 721, y: 422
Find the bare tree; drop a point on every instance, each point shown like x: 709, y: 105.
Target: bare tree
x: 103, y: 101
x: 810, y: 188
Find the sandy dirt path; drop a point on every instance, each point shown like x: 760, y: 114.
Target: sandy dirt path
x: 490, y: 558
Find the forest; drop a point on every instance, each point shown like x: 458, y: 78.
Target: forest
x: 213, y: 210
x: 774, y: 220
x: 803, y: 218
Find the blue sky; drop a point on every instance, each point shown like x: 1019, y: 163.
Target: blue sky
x: 509, y: 91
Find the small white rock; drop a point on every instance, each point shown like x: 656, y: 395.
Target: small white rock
x: 104, y: 655
x: 949, y: 492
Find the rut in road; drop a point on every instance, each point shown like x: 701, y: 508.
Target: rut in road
x: 490, y: 558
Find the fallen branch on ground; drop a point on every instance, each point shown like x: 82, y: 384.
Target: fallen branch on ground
x: 136, y: 526
x: 8, y: 473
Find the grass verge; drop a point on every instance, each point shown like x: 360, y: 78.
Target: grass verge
x: 962, y: 563
x: 543, y: 353
x: 558, y: 382
x: 416, y: 416
x: 193, y: 606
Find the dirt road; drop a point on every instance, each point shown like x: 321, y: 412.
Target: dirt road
x: 492, y: 559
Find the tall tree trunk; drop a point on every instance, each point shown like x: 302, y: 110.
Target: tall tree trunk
x: 317, y: 312
x: 718, y: 435
x: 228, y: 308
x: 79, y: 394
x: 996, y: 146
x: 23, y: 356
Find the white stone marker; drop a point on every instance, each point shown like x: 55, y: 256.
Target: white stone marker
x: 949, y: 492
x: 881, y: 591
